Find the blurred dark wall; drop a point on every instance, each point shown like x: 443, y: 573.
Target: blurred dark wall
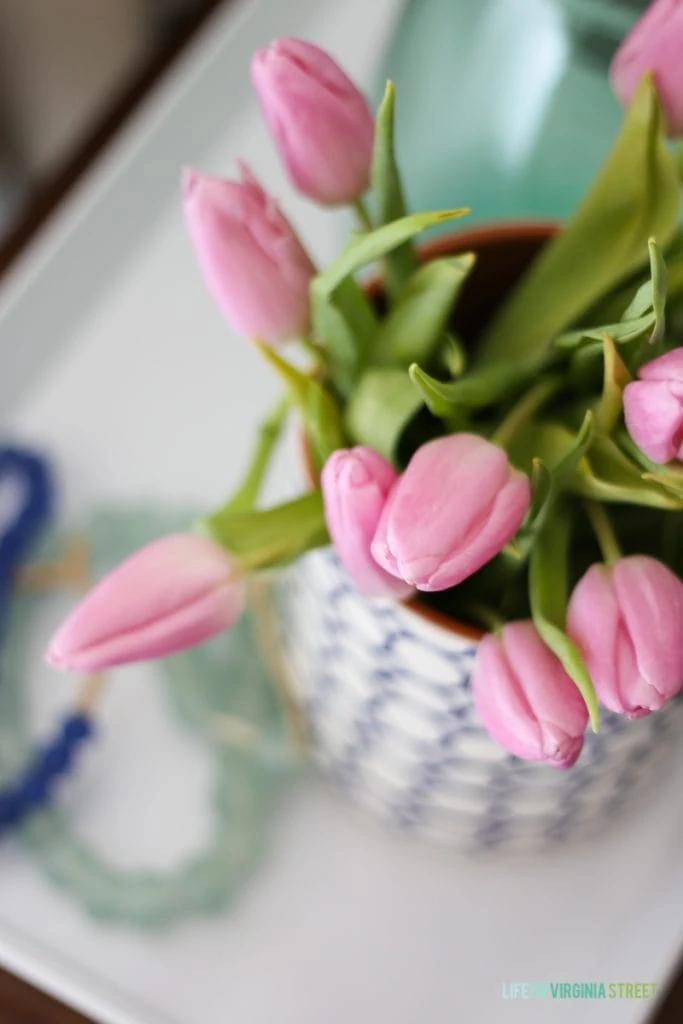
x: 62, y: 64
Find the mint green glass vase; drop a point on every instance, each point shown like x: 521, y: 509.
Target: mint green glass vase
x: 505, y: 105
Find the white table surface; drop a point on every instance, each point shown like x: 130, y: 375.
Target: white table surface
x: 113, y: 356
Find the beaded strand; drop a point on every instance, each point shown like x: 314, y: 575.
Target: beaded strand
x: 34, y: 787
x: 224, y: 693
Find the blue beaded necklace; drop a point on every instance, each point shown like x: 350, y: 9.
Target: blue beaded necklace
x: 34, y: 787
x: 225, y: 692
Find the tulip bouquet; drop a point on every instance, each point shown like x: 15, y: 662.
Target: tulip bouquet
x: 524, y: 478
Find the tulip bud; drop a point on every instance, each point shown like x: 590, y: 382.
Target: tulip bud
x: 355, y: 483
x: 253, y: 264
x: 653, y: 407
x: 526, y: 700
x: 627, y: 621
x: 175, y: 593
x: 654, y: 44
x: 320, y: 121
x: 455, y: 507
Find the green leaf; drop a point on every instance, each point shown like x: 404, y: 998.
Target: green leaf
x: 345, y: 323
x: 636, y: 196
x: 476, y: 390
x: 453, y: 355
x: 678, y: 160
x: 526, y: 408
x: 584, y: 372
x: 640, y: 304
x: 622, y: 303
x: 341, y: 345
x: 674, y: 250
x: 388, y: 191
x: 434, y: 392
x: 623, y: 331
x: 615, y: 379
x: 380, y: 408
x: 413, y: 328
x: 541, y: 490
x: 564, y: 452
x: 651, y: 296
x: 542, y: 494
x: 373, y: 245
x: 555, y: 445
x: 270, y: 537
x: 650, y: 299
x: 670, y: 477
x: 385, y: 176
x: 589, y: 464
x: 607, y: 474
x: 670, y: 474
x: 659, y: 287
x: 675, y: 273
x: 548, y: 594
x: 321, y: 417
x: 570, y: 459
x: 671, y: 484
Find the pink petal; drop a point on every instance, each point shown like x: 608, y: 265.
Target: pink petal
x: 593, y: 623
x: 509, y: 509
x: 654, y: 419
x: 666, y: 367
x: 320, y: 121
x: 355, y: 484
x: 501, y: 704
x: 454, y: 502
x: 654, y: 45
x: 650, y: 596
x: 173, y: 594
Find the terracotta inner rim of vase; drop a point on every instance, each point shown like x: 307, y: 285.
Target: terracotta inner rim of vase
x: 503, y: 253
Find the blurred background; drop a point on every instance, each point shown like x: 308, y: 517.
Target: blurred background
x: 67, y: 68
x: 71, y: 72
x: 520, y: 84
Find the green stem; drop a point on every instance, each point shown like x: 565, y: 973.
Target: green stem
x: 523, y: 411
x: 363, y: 214
x: 269, y: 433
x: 604, y: 531
x: 678, y: 159
x: 317, y: 352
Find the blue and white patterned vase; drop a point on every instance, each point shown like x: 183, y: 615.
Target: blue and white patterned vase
x: 386, y: 695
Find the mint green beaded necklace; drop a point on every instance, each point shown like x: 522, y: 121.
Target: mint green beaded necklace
x: 225, y: 693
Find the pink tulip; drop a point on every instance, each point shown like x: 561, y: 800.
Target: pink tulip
x: 321, y: 123
x: 456, y: 506
x: 653, y: 407
x: 654, y: 44
x: 173, y: 594
x: 253, y: 263
x: 526, y: 700
x: 355, y: 483
x: 627, y: 621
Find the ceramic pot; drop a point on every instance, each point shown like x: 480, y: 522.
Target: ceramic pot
x: 385, y: 686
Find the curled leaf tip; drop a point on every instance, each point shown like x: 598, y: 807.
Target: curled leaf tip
x: 461, y: 211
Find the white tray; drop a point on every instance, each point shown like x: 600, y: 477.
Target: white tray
x: 113, y: 356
